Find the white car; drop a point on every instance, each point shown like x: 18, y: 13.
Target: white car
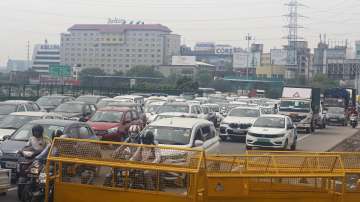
x: 185, y: 133
x: 151, y: 109
x: 182, y: 107
x: 236, y: 124
x: 272, y: 131
x: 16, y: 120
x: 172, y: 115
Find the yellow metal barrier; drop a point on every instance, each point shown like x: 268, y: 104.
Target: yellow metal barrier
x: 95, y: 171
x: 85, y: 170
x: 351, y: 167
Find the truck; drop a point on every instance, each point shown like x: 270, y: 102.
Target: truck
x: 302, y: 105
x: 340, y: 97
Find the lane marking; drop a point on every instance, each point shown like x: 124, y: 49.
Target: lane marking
x: 303, y: 137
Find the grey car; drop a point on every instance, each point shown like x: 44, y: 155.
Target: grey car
x: 50, y: 102
x: 13, y: 144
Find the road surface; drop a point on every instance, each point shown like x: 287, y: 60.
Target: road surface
x: 320, y: 141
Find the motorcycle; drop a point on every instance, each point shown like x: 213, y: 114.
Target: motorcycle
x: 32, y: 176
x: 353, y: 121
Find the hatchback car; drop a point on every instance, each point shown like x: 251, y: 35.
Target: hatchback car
x: 113, y: 123
x: 17, y: 141
x: 185, y: 132
x: 79, y: 111
x: 50, y: 102
x: 272, y: 131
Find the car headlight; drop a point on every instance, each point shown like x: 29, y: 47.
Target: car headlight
x: 112, y: 130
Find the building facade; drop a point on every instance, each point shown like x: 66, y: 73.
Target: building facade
x: 17, y: 65
x: 118, y: 47
x: 45, y: 55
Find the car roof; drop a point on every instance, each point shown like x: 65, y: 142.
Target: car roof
x: 157, y: 103
x: 96, y: 96
x: 178, y: 103
x: 274, y: 116
x: 55, y: 122
x: 179, y: 122
x: 57, y: 96
x: 117, y: 109
x: 18, y: 101
x: 39, y: 114
x: 247, y: 107
x: 75, y: 102
x: 178, y: 114
x: 130, y: 104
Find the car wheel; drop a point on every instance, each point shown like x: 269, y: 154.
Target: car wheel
x: 324, y: 125
x: 286, y: 145
x: 249, y: 148
x: 223, y: 138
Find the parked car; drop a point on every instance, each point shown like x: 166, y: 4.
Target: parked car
x: 106, y: 102
x: 10, y: 147
x: 185, y: 132
x: 272, y: 131
x: 133, y: 98
x: 50, y: 102
x: 336, y: 116
x: 11, y: 106
x: 90, y: 99
x: 237, y: 123
x: 112, y: 123
x: 15, y: 120
x: 172, y: 115
x: 79, y: 111
x: 137, y: 107
x: 151, y: 109
x: 182, y: 107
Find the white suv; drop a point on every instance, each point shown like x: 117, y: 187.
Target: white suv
x: 236, y: 124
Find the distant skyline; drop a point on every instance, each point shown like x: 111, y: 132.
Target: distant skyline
x: 220, y: 21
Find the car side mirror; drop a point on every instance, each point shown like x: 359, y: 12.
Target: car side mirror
x: 6, y: 137
x: 198, y: 143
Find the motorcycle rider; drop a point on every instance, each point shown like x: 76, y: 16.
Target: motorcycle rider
x: 37, y: 141
x: 148, y: 155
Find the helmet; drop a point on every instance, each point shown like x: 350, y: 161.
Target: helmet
x: 134, y: 131
x: 148, y: 138
x: 38, y: 131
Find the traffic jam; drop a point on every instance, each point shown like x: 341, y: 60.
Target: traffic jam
x: 27, y: 128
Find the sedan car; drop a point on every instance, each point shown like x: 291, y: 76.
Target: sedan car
x: 90, y: 99
x: 11, y: 106
x: 50, y: 102
x: 272, y: 131
x: 79, y: 111
x: 15, y: 120
x: 185, y: 132
x: 17, y: 141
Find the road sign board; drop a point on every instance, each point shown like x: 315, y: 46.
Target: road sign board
x: 60, y: 70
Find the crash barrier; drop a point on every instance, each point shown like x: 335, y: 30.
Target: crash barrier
x: 351, y: 167
x: 86, y: 170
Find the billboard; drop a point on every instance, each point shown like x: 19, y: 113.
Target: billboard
x: 204, y: 46
x: 184, y: 60
x: 303, y: 93
x: 60, y: 71
x: 223, y: 50
x: 278, y: 56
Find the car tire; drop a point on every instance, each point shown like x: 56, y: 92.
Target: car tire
x: 324, y: 125
x: 223, y: 138
x: 249, y: 148
x: 286, y: 145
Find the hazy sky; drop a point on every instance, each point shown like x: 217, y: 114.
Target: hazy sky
x: 221, y: 21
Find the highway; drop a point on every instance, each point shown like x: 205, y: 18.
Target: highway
x: 321, y: 141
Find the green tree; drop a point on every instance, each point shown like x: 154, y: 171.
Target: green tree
x: 204, y: 78
x: 187, y: 84
x: 144, y: 71
x: 86, y: 76
x: 118, y: 73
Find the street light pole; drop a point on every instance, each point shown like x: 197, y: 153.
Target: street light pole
x: 248, y: 38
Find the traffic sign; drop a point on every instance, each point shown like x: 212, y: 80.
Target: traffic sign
x: 60, y: 70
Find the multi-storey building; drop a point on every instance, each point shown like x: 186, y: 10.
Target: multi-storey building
x: 118, y: 46
x: 44, y: 56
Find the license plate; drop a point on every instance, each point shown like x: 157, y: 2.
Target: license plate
x: 10, y: 164
x: 263, y: 140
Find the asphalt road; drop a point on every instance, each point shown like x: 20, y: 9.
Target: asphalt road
x: 320, y: 141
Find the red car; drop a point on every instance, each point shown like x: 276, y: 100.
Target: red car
x: 112, y: 123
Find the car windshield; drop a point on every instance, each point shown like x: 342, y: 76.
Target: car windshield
x: 69, y: 108
x: 90, y: 100
x: 15, y: 122
x: 107, y: 116
x: 152, y: 108
x: 295, y: 106
x: 170, y: 135
x: 6, y: 109
x: 335, y: 110
x: 245, y: 113
x: 49, y: 101
x: 24, y: 133
x: 270, y: 122
x: 266, y: 111
x: 173, y: 108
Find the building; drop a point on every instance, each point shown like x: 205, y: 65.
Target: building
x: 246, y: 62
x: 357, y: 49
x: 271, y: 72
x: 118, y: 46
x: 185, y: 66
x: 204, y: 48
x: 17, y: 65
x: 44, y: 56
x: 302, y: 65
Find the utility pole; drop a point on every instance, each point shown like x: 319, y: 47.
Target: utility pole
x: 248, y: 38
